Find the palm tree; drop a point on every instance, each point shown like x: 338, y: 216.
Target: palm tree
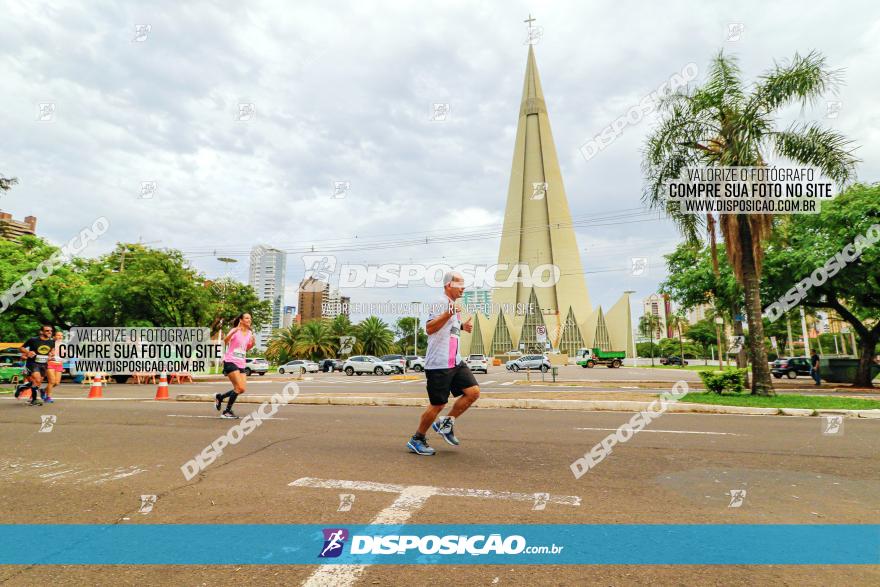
x: 315, y: 340
x: 723, y: 123
x: 282, y: 344
x: 374, y: 336
x: 678, y: 322
x: 340, y: 326
x: 648, y: 324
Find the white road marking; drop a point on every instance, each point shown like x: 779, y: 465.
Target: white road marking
x: 667, y: 431
x: 487, y: 382
x: 215, y: 417
x: 507, y: 383
x: 51, y: 472
x: 410, y: 498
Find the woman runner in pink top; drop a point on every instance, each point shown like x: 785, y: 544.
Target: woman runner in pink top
x: 238, y: 341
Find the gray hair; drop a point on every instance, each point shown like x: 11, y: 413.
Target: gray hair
x: 449, y: 277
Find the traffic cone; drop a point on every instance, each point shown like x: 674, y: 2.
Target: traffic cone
x: 162, y: 390
x: 96, y: 389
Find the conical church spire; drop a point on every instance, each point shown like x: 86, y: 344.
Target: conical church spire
x: 537, y: 221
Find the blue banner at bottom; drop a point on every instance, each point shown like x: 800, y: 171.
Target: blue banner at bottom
x: 279, y: 544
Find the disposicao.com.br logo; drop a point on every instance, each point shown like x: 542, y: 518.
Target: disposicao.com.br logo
x: 394, y: 544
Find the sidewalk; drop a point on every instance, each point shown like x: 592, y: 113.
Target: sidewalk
x: 528, y: 400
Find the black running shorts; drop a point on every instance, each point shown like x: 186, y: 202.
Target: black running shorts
x: 442, y: 382
x: 230, y: 367
x: 32, y: 367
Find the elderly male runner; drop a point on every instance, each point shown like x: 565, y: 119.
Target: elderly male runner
x: 444, y: 370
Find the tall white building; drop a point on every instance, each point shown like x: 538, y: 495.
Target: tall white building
x: 266, y: 276
x: 477, y: 300
x: 660, y: 306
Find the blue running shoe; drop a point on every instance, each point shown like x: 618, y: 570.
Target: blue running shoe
x: 49, y: 400
x: 443, y: 427
x: 419, y: 446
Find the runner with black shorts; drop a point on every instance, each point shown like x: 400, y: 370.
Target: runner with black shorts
x: 445, y: 371
x: 238, y: 341
x: 35, y: 352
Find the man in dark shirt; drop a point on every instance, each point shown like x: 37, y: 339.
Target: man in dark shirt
x: 814, y: 368
x: 36, y: 352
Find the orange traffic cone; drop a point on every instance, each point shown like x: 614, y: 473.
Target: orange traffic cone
x: 96, y: 389
x: 162, y: 390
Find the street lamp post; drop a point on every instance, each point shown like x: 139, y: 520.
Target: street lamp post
x: 415, y: 306
x: 629, y: 315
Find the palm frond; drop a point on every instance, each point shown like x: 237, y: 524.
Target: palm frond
x: 802, y: 79
x: 825, y: 149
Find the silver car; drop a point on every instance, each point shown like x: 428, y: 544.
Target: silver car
x: 298, y: 366
x: 529, y: 362
x: 361, y: 364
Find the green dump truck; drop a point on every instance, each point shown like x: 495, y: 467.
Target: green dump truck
x: 589, y: 358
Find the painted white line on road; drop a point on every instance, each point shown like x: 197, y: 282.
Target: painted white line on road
x: 215, y: 417
x: 507, y: 383
x: 55, y: 398
x: 487, y: 382
x: 410, y: 499
x: 668, y: 431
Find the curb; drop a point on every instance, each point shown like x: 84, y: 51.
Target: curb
x: 546, y: 404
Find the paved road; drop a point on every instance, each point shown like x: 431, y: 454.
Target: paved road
x: 101, y: 456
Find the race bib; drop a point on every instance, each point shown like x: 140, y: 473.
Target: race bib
x: 238, y: 354
x: 455, y: 332
x: 41, y: 358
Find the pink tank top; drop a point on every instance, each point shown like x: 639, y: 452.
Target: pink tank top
x: 237, y: 349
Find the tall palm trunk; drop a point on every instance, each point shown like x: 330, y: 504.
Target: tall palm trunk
x: 761, y: 383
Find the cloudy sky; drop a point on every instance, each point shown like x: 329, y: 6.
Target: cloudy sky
x: 344, y: 92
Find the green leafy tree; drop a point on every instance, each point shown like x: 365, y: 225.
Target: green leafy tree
x: 315, y: 340
x: 647, y: 349
x: 141, y: 286
x: 724, y: 124
x: 374, y: 337
x: 229, y: 298
x: 808, y: 242
x: 696, y: 276
x: 404, y: 331
x: 61, y: 299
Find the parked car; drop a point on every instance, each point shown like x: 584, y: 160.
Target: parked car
x: 790, y: 367
x: 528, y: 362
x: 330, y: 365
x: 478, y: 363
x: 297, y: 366
x: 257, y: 365
x: 398, y: 360
x: 361, y: 364
x: 672, y: 360
x: 415, y: 362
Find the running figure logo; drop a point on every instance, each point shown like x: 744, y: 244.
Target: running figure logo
x: 334, y: 540
x: 47, y: 423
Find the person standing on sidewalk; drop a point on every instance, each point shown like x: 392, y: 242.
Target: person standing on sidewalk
x: 445, y: 371
x: 814, y: 368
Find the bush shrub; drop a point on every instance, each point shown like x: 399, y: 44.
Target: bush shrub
x: 731, y: 380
